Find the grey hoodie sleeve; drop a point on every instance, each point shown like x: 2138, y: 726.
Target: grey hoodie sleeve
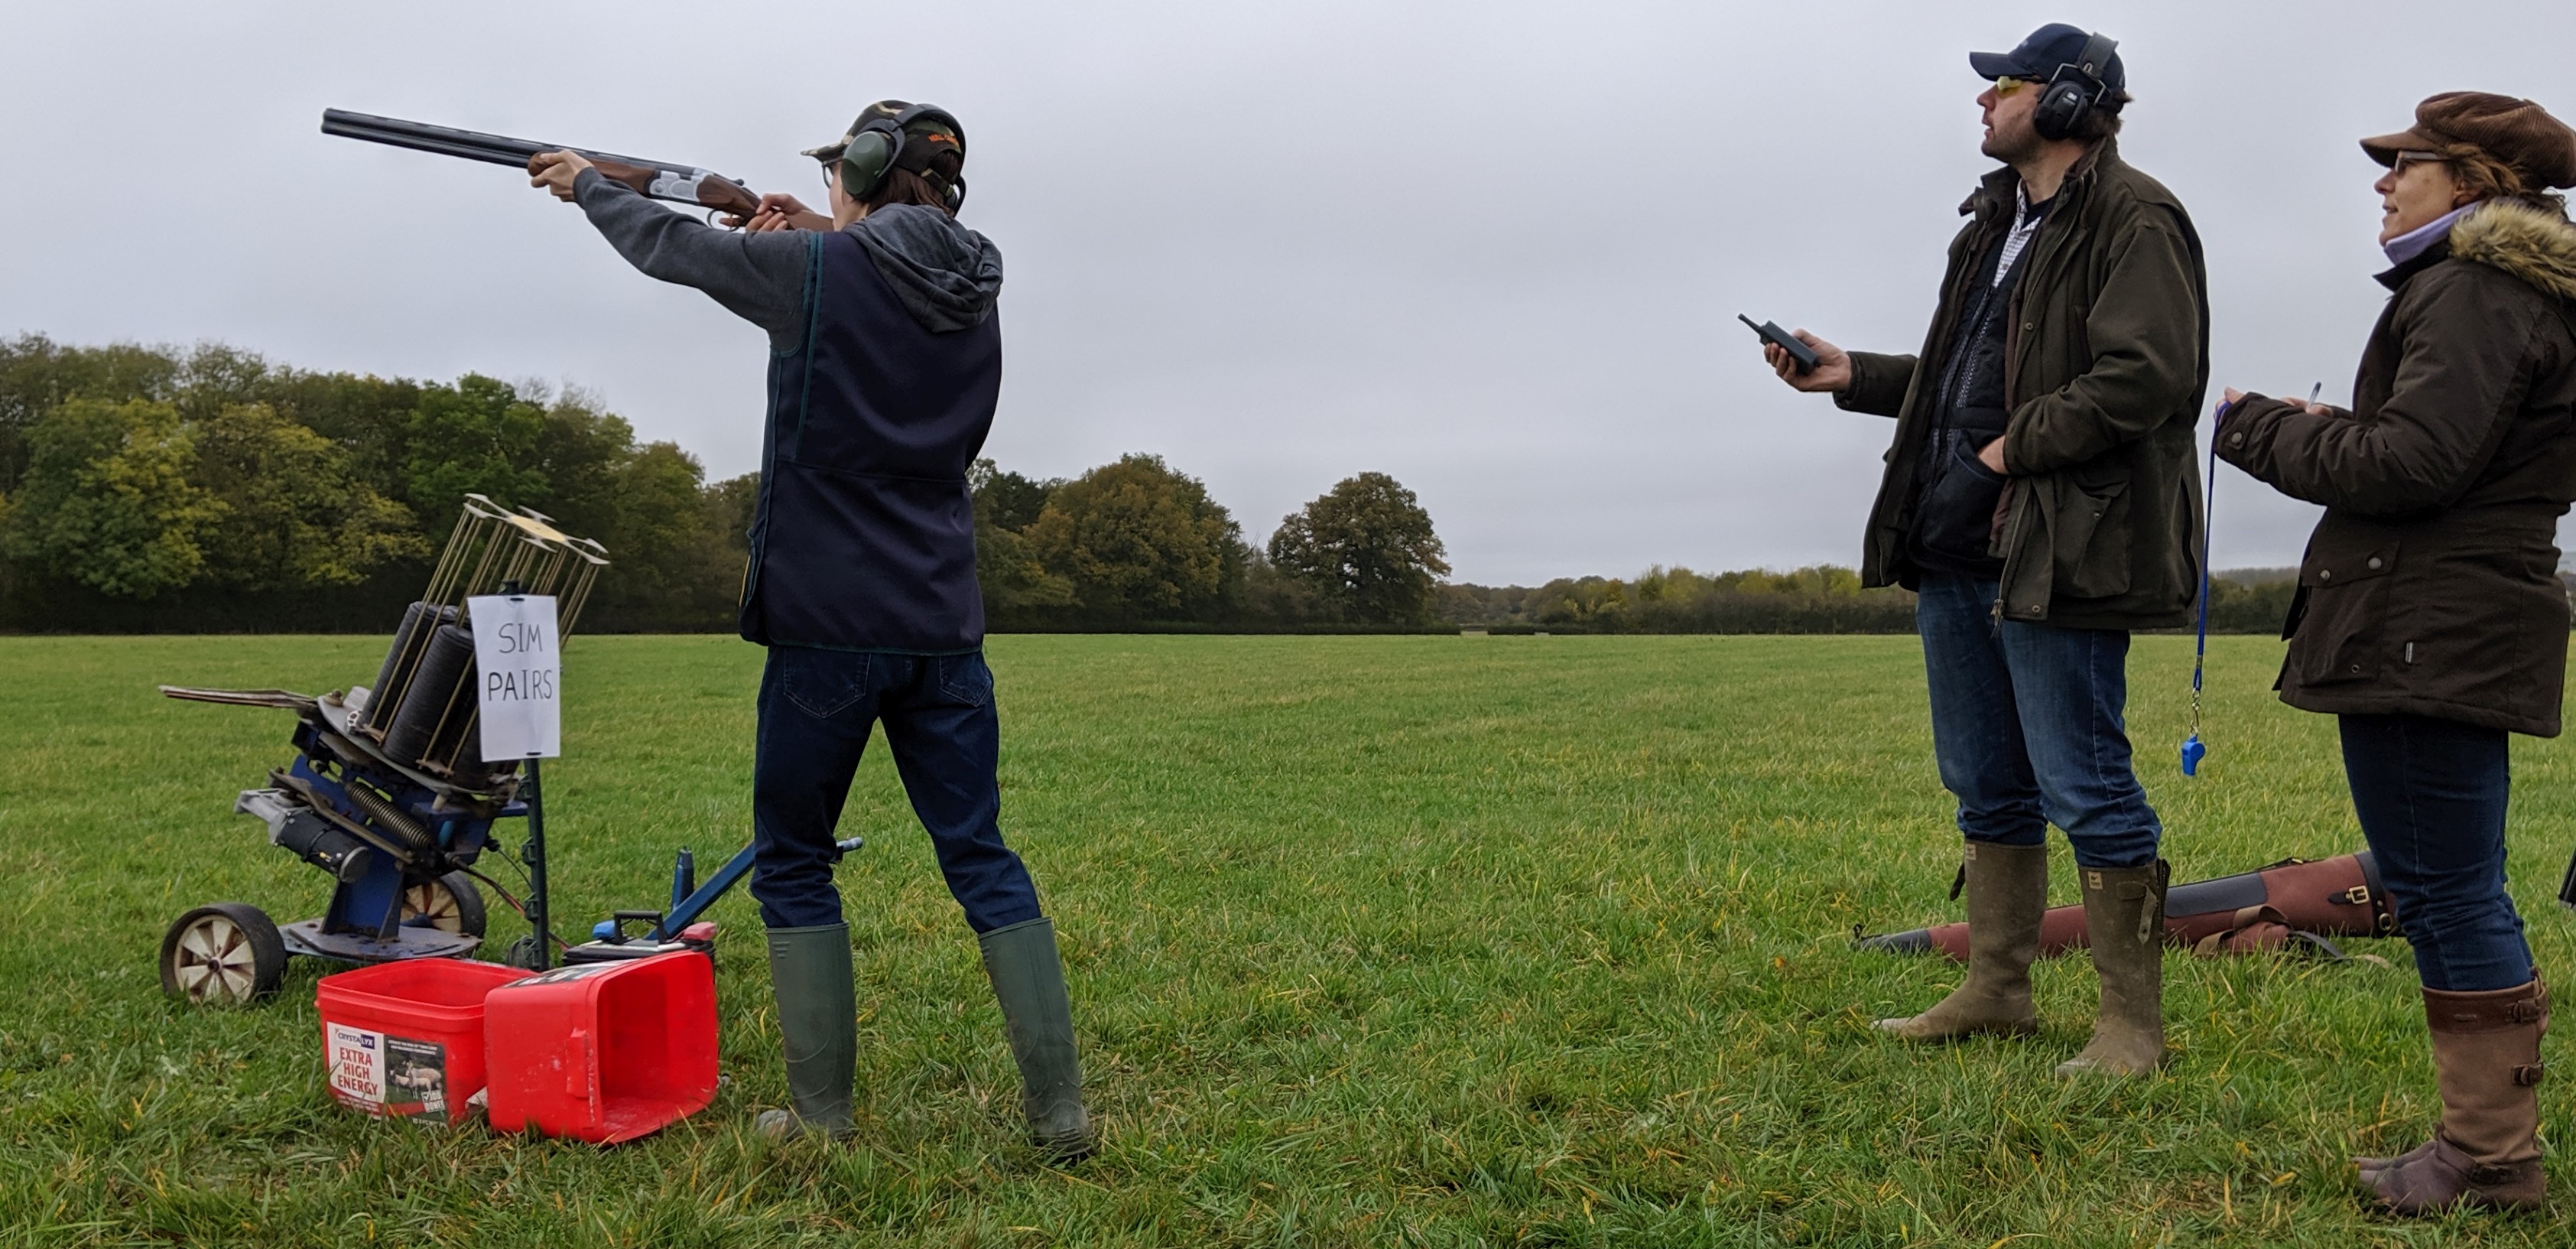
x: 758, y: 277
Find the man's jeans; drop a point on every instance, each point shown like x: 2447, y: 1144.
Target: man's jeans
x: 2026, y: 725
x: 2431, y: 797
x: 816, y: 710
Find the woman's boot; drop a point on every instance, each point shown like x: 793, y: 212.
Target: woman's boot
x: 2486, y: 1061
x: 2124, y: 922
x: 1028, y: 979
x: 2007, y: 892
x: 818, y: 1018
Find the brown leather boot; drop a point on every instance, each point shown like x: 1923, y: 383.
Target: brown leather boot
x: 2007, y: 892
x: 2124, y: 922
x: 2486, y: 1061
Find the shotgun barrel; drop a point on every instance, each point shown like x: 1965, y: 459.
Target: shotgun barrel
x: 655, y: 179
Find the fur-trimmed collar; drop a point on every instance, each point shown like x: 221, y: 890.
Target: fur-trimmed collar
x: 2528, y: 242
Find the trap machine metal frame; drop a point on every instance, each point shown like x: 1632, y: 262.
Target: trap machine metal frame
x: 389, y: 795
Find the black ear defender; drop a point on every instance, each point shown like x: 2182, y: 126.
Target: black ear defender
x: 879, y: 147
x: 2075, y: 90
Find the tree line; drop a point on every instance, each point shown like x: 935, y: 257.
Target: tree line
x: 155, y: 489
x: 1821, y: 599
x: 208, y: 489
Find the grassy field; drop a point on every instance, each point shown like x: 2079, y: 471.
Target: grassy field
x: 1373, y: 941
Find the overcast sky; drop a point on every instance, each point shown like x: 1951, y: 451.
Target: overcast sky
x: 1493, y: 249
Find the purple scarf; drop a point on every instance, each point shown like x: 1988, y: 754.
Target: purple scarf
x: 2413, y: 243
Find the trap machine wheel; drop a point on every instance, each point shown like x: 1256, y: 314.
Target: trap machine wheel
x: 227, y: 954
x: 451, y: 903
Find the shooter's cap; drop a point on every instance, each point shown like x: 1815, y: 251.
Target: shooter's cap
x: 930, y: 123
x: 2517, y: 132
x: 2049, y: 49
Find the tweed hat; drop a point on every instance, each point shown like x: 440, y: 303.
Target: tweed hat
x: 2517, y: 132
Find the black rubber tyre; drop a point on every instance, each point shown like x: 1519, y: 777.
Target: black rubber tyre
x: 452, y: 903
x: 228, y: 954
x: 522, y: 954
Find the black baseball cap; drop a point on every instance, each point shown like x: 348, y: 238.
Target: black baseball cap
x: 2048, y: 49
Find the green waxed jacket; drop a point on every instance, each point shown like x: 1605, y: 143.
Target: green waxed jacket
x: 2431, y: 585
x: 2106, y: 362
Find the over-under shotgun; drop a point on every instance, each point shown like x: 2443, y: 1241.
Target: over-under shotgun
x: 662, y: 180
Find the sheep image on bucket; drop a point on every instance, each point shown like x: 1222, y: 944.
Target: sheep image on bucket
x: 405, y: 1040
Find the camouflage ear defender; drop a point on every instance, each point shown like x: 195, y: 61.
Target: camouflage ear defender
x: 865, y: 161
x: 892, y: 135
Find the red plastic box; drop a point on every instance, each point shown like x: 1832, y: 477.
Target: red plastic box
x: 406, y: 1039
x: 603, y: 1052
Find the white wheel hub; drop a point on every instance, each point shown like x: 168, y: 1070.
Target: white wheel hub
x: 215, y: 962
x: 433, y: 902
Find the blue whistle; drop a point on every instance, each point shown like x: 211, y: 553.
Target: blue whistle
x: 2193, y: 751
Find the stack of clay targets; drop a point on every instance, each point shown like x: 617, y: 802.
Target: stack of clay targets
x: 422, y: 709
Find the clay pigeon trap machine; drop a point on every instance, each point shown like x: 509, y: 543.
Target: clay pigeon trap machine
x: 388, y: 792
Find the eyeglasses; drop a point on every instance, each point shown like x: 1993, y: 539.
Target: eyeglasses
x: 2009, y: 86
x: 2403, y: 159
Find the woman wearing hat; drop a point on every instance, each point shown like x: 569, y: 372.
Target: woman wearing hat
x: 2429, y: 617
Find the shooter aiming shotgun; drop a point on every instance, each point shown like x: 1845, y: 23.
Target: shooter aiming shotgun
x: 653, y: 179
x: 885, y: 369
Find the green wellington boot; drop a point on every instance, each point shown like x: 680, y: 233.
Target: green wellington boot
x: 2124, y: 922
x: 2007, y: 892
x: 1028, y: 979
x: 818, y: 1018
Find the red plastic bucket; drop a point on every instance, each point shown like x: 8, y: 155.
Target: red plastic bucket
x: 406, y: 1039
x: 603, y: 1052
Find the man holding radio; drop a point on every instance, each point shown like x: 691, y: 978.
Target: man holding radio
x: 2040, y: 500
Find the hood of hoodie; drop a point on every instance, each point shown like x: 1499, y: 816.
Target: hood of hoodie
x: 947, y: 276
x: 2530, y: 243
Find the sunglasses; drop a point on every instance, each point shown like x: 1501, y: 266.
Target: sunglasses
x: 2012, y: 86
x: 2403, y: 159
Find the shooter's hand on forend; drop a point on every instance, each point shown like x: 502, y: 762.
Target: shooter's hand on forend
x: 780, y: 211
x: 1833, y: 365
x: 555, y: 171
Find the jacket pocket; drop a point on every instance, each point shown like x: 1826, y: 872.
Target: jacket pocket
x: 1956, y: 518
x: 2343, y: 585
x: 2089, y: 535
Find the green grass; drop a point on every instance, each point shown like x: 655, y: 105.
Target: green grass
x: 1373, y: 941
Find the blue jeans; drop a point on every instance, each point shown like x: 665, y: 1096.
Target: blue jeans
x: 2431, y: 796
x: 817, y: 708
x: 2026, y: 726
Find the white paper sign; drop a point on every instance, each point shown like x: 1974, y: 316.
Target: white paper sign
x: 518, y: 652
